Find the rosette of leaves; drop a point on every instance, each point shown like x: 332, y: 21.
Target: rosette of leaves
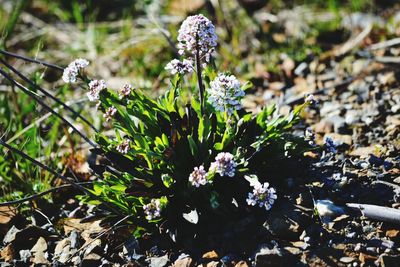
x: 168, y: 139
x: 190, y: 166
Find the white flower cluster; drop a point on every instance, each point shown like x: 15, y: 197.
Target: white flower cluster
x: 71, y: 72
x: 198, y: 176
x: 110, y: 112
x: 153, y: 209
x: 262, y: 196
x: 176, y: 66
x: 224, y: 164
x: 124, y: 146
x: 225, y: 93
x: 95, y: 87
x: 197, y: 35
x: 125, y: 91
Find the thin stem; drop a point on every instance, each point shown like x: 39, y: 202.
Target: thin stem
x: 26, y: 79
x: 62, y: 177
x: 31, y: 60
x: 25, y: 199
x: 200, y: 81
x: 41, y: 102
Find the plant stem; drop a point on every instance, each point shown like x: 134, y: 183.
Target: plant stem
x: 42, y: 103
x: 55, y: 173
x: 32, y: 197
x: 53, y: 66
x: 26, y: 79
x: 200, y: 81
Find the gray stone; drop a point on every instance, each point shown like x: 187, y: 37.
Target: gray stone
x: 25, y: 255
x: 73, y: 237
x: 159, y: 261
x: 91, y: 259
x: 10, y: 236
x: 274, y: 257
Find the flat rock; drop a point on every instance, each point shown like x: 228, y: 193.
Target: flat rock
x: 25, y: 255
x: 184, y: 262
x: 241, y: 264
x: 40, y: 246
x: 212, y: 255
x: 11, y: 234
x: 159, y: 261
x: 7, y: 254
x: 40, y: 258
x: 347, y: 259
x: 91, y: 259
x: 273, y: 257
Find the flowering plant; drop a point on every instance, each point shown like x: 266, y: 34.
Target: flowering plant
x: 206, y: 161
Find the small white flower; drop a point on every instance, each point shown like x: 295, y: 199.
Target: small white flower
x: 224, y: 164
x: 262, y: 196
x: 175, y: 66
x: 153, y: 209
x: 198, y: 176
x: 197, y: 35
x: 124, y: 146
x: 110, y: 112
x: 95, y: 87
x: 225, y: 93
x: 125, y: 91
x: 71, y: 72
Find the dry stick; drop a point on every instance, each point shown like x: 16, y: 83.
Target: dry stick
x: 32, y: 197
x: 62, y: 177
x: 384, y: 44
x: 26, y: 79
x: 380, y: 213
x: 37, y: 122
x: 300, y: 99
x: 31, y: 94
x: 31, y: 60
x: 97, y: 237
x: 350, y: 44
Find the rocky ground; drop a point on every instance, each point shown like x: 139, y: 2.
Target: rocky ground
x: 322, y: 218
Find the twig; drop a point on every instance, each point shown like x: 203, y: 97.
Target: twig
x: 350, y: 44
x: 62, y: 177
x: 26, y: 79
x: 41, y: 102
x: 97, y: 237
x: 38, y: 121
x: 377, y: 212
x: 38, y: 195
x: 31, y: 60
x: 384, y: 44
x: 300, y: 99
x: 387, y: 60
x: 165, y: 33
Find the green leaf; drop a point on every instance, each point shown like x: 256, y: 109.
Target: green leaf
x: 193, y: 147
